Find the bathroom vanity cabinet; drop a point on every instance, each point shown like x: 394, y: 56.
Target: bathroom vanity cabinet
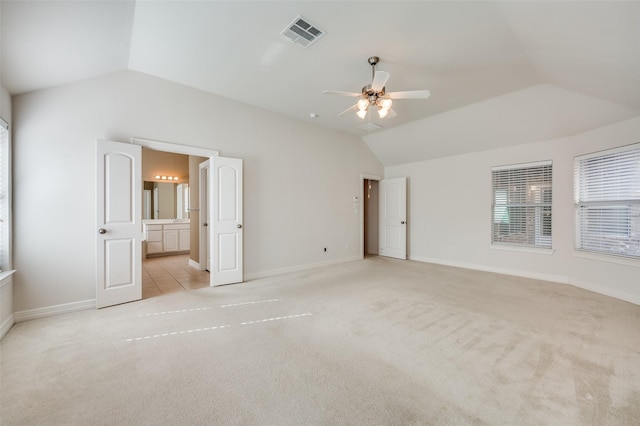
x: 166, y: 237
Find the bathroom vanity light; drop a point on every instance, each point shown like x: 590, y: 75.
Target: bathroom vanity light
x: 174, y: 178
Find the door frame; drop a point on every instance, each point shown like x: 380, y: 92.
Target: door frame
x: 178, y: 149
x: 203, y: 174
x: 364, y: 177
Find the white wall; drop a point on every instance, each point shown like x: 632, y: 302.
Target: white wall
x: 286, y: 225
x: 449, y: 213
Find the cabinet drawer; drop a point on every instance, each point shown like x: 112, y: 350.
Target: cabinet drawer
x: 154, y: 236
x: 177, y: 226
x: 154, y: 227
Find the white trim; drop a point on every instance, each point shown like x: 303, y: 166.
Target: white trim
x: 617, y: 150
x: 204, y: 207
x: 522, y: 165
x: 6, y: 325
x: 175, y: 148
x: 194, y: 264
x: 631, y: 298
x: 595, y: 288
x: 524, y: 249
x: 3, y: 277
x: 364, y: 176
x: 603, y: 257
x: 504, y: 271
x: 280, y: 271
x: 49, y: 311
x: 6, y: 302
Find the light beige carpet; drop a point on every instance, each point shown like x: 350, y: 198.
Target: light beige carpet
x: 377, y: 341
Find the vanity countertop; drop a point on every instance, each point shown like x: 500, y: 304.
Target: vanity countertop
x: 164, y: 221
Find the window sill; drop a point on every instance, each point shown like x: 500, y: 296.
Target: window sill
x: 4, y: 275
x: 534, y: 250
x: 607, y: 258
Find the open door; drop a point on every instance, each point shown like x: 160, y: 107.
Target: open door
x: 118, y: 223
x: 393, y: 217
x: 205, y: 219
x: 225, y: 176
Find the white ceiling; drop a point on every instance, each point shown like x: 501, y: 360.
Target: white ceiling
x: 463, y: 52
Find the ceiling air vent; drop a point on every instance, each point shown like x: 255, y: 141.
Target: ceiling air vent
x: 370, y: 127
x: 301, y: 31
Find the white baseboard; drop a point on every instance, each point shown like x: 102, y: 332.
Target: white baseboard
x: 631, y: 298
x: 515, y: 272
x: 49, y: 311
x: 279, y: 271
x: 6, y: 325
x: 194, y: 264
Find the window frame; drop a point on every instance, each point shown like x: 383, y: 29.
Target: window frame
x: 605, y: 230
x: 5, y: 198
x: 532, y: 205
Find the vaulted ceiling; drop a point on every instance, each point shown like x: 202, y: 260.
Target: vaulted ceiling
x: 465, y: 53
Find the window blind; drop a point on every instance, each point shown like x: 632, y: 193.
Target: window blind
x: 607, y: 202
x: 521, y: 204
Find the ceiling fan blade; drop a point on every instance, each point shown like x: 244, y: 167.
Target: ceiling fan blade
x: 379, y: 80
x: 338, y: 93
x: 410, y: 94
x: 351, y: 108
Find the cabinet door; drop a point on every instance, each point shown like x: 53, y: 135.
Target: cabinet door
x: 185, y: 239
x: 171, y: 240
x: 154, y: 236
x: 154, y: 247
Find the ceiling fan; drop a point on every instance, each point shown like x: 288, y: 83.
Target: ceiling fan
x: 375, y: 96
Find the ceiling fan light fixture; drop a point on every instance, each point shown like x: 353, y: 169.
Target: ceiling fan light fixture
x: 375, y: 95
x: 385, y: 104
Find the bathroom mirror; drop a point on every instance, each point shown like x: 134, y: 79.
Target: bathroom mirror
x: 165, y: 200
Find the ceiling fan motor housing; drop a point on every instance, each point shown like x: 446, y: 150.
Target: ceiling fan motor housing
x: 368, y: 92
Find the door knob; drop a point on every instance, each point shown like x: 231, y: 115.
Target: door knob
x: 102, y: 231
x: 239, y: 226
x: 205, y: 224
x: 402, y: 223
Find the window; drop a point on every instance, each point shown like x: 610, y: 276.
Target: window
x: 521, y: 204
x: 607, y: 201
x: 4, y: 195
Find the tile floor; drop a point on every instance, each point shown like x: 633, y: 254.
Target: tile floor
x: 168, y: 274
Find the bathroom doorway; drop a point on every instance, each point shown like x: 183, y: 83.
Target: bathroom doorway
x: 171, y: 222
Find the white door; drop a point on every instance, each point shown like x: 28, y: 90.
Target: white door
x: 393, y: 217
x: 205, y: 220
x: 226, y: 213
x: 118, y: 223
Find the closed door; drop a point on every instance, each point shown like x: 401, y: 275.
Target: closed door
x: 393, y: 217
x: 118, y: 223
